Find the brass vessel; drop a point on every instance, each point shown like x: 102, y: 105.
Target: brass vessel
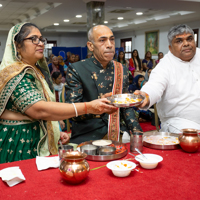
x: 189, y: 140
x: 73, y: 167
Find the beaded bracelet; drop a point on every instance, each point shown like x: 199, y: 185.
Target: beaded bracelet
x: 75, y: 109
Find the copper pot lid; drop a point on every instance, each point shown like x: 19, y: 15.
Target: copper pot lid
x: 190, y: 130
x: 74, y: 155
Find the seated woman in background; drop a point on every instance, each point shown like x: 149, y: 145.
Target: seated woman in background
x: 71, y: 59
x: 68, y: 54
x: 160, y: 55
x: 58, y: 86
x: 135, y: 63
x: 147, y: 63
x: 50, y: 58
x: 29, y: 114
x: 61, y: 62
x: 136, y: 85
x: 56, y: 67
x: 147, y: 74
x: 121, y: 59
x: 77, y: 58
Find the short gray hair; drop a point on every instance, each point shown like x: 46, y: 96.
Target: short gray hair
x: 178, y: 30
x: 90, y: 35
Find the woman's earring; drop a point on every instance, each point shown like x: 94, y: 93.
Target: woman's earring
x: 19, y: 56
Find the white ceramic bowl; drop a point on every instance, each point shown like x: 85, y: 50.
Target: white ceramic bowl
x: 121, y: 168
x: 151, y: 162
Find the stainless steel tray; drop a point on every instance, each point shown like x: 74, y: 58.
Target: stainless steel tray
x: 122, y: 98
x: 107, y: 157
x: 157, y: 146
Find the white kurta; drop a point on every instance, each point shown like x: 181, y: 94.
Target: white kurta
x: 175, y: 86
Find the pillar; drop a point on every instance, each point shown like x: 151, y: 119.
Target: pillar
x: 95, y: 13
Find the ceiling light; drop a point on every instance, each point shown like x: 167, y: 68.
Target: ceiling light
x: 1, y: 5
x: 120, y: 18
x: 66, y: 20
x: 139, y: 21
x: 105, y: 22
x: 97, y: 9
x: 56, y: 24
x: 78, y: 16
x: 139, y: 13
x: 161, y: 17
x: 185, y: 12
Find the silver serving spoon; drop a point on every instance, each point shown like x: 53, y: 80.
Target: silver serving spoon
x: 135, y: 156
x: 140, y: 153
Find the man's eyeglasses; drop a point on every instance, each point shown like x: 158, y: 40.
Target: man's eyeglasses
x: 36, y: 40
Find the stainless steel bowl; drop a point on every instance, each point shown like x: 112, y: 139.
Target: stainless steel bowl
x: 115, y: 99
x: 89, y: 149
x: 106, y: 150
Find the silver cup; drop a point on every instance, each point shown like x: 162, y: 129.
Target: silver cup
x: 136, y: 141
x: 61, y: 152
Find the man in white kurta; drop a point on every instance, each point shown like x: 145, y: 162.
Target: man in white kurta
x: 175, y: 85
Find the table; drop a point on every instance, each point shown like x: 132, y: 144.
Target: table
x: 176, y: 177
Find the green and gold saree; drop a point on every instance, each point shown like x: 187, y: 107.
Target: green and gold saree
x: 21, y: 86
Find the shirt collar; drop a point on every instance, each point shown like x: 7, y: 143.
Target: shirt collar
x: 97, y: 63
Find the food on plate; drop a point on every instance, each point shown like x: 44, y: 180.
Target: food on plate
x: 127, y: 100
x: 122, y: 165
x: 101, y: 142
x: 161, y: 140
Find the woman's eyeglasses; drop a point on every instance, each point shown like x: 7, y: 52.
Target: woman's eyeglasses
x: 36, y: 40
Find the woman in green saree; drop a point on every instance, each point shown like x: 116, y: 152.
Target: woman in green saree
x: 28, y: 111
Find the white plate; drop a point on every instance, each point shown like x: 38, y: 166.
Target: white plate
x: 102, y: 142
x: 115, y: 99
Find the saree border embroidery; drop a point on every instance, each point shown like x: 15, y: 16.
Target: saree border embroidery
x: 8, y: 122
x: 33, y: 98
x: 114, y: 124
x: 8, y: 90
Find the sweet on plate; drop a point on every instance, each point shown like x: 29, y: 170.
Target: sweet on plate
x: 121, y: 168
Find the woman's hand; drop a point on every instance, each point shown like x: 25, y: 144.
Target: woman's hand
x: 146, y: 101
x: 64, y: 137
x: 100, y: 106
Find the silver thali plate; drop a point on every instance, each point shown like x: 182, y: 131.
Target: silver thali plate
x: 118, y: 100
x: 115, y: 156
x: 157, y: 146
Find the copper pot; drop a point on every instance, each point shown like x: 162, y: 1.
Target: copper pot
x: 189, y: 140
x: 74, y: 168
